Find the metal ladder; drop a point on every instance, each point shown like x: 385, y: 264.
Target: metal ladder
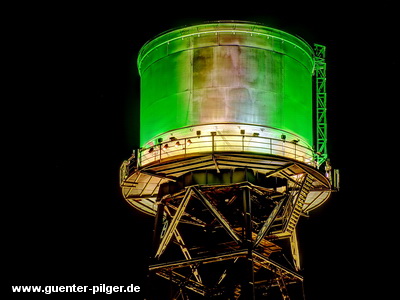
x: 298, y: 203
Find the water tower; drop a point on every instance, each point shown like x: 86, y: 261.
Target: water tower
x: 233, y: 154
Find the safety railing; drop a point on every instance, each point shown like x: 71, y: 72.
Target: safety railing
x: 217, y: 143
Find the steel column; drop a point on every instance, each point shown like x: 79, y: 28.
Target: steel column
x: 248, y: 289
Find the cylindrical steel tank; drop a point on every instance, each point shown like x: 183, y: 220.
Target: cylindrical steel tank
x: 226, y: 77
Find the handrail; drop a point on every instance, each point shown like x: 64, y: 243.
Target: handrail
x: 215, y: 143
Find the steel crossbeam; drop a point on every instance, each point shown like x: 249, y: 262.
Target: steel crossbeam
x: 199, y: 260
x: 273, y: 266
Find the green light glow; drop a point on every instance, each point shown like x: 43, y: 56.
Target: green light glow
x: 226, y: 73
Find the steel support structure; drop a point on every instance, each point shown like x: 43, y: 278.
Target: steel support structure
x: 320, y: 94
x: 225, y: 223
x: 244, y: 225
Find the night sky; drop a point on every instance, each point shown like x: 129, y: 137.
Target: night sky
x: 71, y: 118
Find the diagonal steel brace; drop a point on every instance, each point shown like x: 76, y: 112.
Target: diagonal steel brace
x: 214, y: 211
x: 174, y: 223
x: 267, y: 224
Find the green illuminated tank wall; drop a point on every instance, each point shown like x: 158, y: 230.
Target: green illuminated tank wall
x: 226, y: 73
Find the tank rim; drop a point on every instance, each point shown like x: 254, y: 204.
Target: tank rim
x: 145, y: 49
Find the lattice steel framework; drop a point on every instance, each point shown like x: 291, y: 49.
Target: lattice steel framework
x: 320, y: 94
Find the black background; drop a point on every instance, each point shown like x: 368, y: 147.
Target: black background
x: 71, y: 117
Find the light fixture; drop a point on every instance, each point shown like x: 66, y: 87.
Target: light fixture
x: 151, y: 150
x: 177, y: 144
x: 256, y: 134
x: 242, y: 131
x: 165, y: 147
x: 188, y: 142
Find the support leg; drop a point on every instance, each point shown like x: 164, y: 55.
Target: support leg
x: 248, y: 289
